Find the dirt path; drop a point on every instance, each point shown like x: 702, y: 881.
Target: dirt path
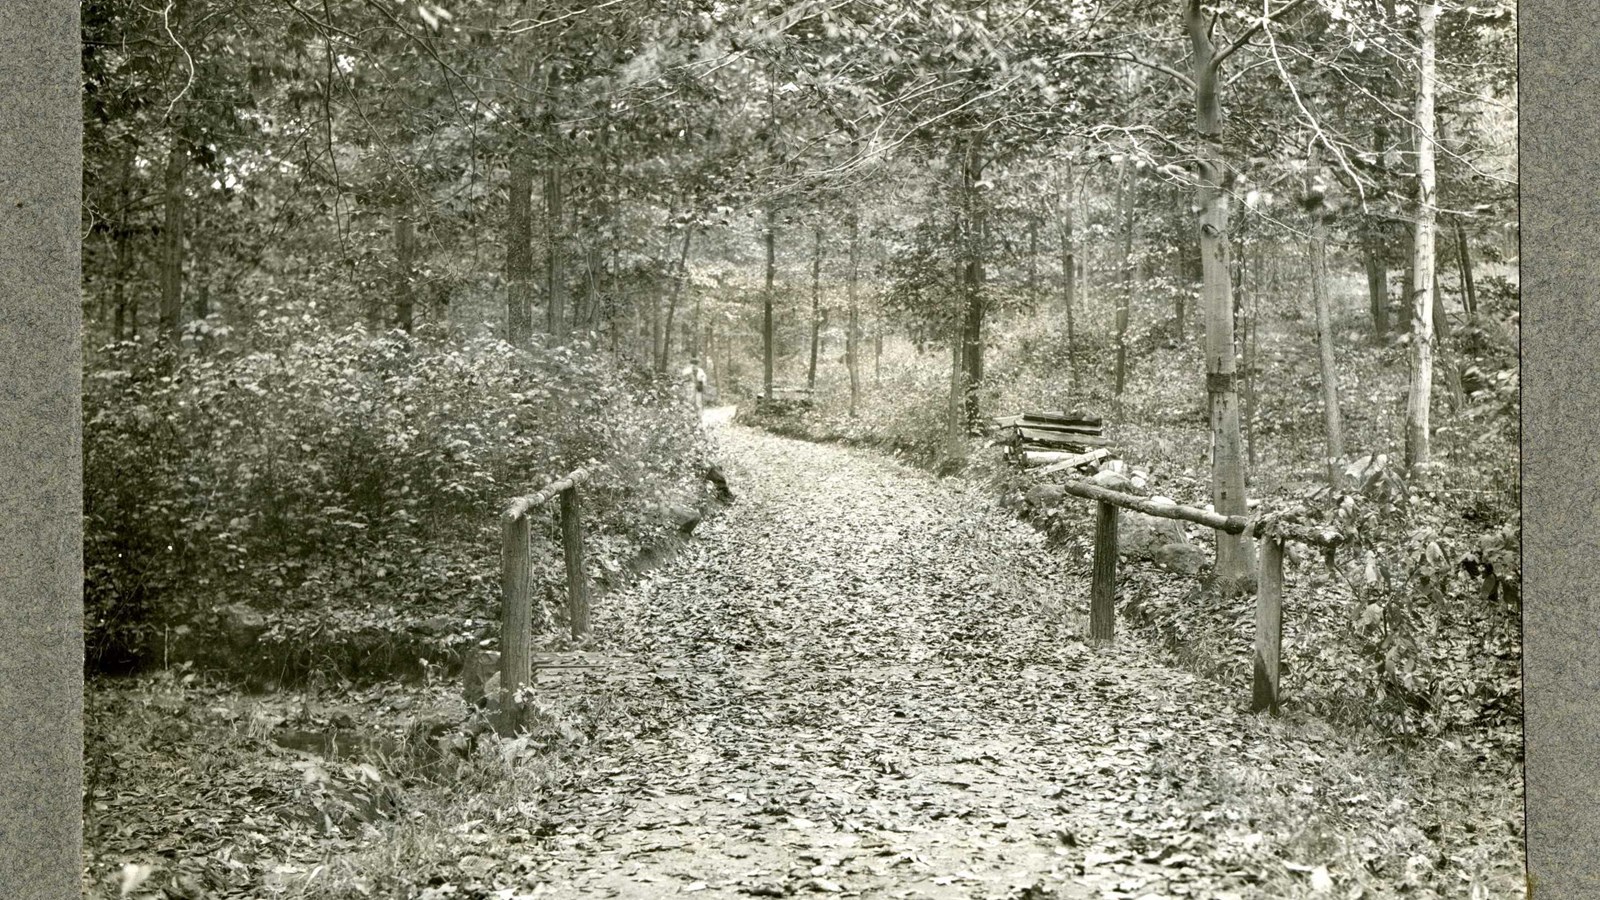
x: 872, y: 685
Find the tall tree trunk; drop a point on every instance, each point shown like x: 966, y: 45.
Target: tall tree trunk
x: 955, y: 430
x: 1252, y: 356
x: 816, y: 306
x: 972, y: 282
x: 852, y: 339
x: 1441, y: 321
x: 1069, y: 277
x: 1418, y: 401
x: 1469, y: 291
x: 1066, y: 290
x: 769, y: 234
x: 519, y: 250
x: 1372, y: 247
x: 172, y: 243
x: 1234, y: 556
x: 555, y: 264
x: 122, y: 250
x: 1330, y: 374
x: 1377, y: 280
x: 672, y: 301
x: 1125, y: 296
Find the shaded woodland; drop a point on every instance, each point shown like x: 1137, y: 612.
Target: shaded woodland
x: 357, y: 273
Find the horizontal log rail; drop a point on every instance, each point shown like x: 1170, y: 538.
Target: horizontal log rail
x: 521, y: 505
x: 516, y: 614
x: 1270, y: 528
x: 1257, y: 526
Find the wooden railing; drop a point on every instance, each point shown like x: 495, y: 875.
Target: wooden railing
x: 516, y: 616
x: 1271, y: 531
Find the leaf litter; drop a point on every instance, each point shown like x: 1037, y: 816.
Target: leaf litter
x: 864, y: 681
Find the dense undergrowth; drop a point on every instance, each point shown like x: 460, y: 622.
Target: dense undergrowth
x: 334, y: 495
x: 1412, y: 629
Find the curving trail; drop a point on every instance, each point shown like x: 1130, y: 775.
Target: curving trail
x: 867, y: 682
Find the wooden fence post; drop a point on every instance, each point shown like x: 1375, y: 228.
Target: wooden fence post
x: 1103, y: 593
x: 572, y: 549
x: 516, y: 618
x: 1269, y: 626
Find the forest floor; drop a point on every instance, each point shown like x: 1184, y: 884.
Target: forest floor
x: 865, y: 681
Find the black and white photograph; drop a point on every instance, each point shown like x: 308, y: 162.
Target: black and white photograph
x: 951, y: 449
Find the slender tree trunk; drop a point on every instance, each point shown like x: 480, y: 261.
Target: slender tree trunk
x: 1069, y: 278
x: 672, y: 301
x: 555, y: 265
x: 1252, y: 357
x: 122, y: 250
x: 770, y: 236
x: 1330, y: 373
x: 1066, y: 290
x: 119, y: 290
x: 1469, y: 291
x: 1408, y: 293
x: 1418, y: 401
x: 955, y: 418
x: 1234, y: 556
x: 1373, y: 249
x: 1179, y: 314
x: 972, y: 341
x: 1125, y: 296
x: 973, y: 277
x: 519, y: 251
x: 405, y: 250
x: 852, y: 347
x: 172, y: 243
x: 816, y: 306
x: 1377, y: 281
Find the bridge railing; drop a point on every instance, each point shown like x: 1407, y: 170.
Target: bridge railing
x: 1270, y: 529
x: 516, y: 616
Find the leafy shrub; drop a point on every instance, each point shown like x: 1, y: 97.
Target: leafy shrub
x: 313, y: 466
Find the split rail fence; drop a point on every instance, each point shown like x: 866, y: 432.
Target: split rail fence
x: 516, y: 616
x: 1272, y: 533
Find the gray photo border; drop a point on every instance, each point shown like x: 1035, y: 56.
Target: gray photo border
x: 1559, y: 127
x: 41, y: 495
x: 40, y: 451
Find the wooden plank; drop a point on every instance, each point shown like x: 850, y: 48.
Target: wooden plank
x: 1045, y: 436
x: 572, y: 549
x: 1269, y: 627
x: 1103, y: 590
x: 1026, y: 422
x: 516, y: 619
x: 1065, y: 418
